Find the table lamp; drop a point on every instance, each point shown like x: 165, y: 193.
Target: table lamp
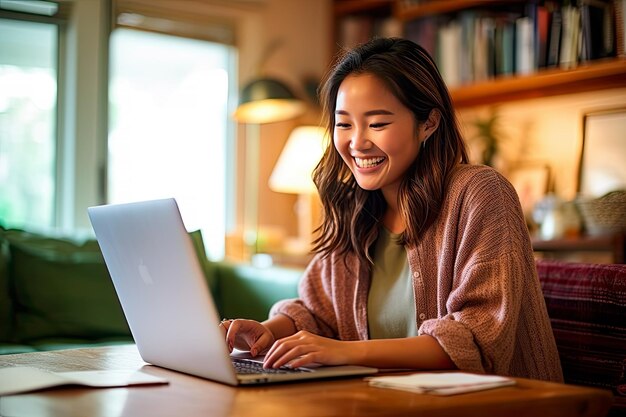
x: 267, y: 100
x: 293, y: 174
x: 263, y: 100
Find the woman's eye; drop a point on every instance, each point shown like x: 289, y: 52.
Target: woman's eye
x: 342, y: 125
x: 378, y: 125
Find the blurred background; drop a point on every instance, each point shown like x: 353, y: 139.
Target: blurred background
x: 109, y: 101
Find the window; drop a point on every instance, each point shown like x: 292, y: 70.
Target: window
x: 28, y: 98
x: 168, y: 124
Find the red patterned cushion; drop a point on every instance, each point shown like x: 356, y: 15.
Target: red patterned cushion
x: 587, y: 307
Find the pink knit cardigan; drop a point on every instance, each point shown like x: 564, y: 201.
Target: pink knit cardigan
x: 475, y: 285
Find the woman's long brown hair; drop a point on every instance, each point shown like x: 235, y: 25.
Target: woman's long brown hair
x: 351, y: 214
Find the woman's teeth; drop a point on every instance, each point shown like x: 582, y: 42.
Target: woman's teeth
x: 368, y: 162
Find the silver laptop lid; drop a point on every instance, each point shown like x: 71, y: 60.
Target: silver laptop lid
x: 161, y: 287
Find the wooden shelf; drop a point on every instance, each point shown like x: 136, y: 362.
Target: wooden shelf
x: 595, y: 75
x: 405, y: 13
x: 344, y: 7
x: 608, y: 73
x: 612, y: 244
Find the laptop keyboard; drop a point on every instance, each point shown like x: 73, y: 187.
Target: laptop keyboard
x: 243, y: 366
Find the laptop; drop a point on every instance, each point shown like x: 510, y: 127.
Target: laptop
x: 166, y: 300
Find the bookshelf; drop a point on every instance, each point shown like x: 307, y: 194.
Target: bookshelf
x: 603, y: 74
x: 405, y: 10
x: 589, y: 75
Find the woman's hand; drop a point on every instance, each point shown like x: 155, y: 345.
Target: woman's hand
x: 305, y: 348
x: 247, y: 335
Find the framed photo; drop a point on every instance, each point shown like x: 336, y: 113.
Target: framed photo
x: 531, y: 181
x: 603, y: 154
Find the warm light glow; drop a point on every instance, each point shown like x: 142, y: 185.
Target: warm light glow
x: 294, y: 169
x: 269, y: 110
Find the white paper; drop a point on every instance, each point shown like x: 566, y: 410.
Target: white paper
x: 19, y: 379
x: 447, y: 383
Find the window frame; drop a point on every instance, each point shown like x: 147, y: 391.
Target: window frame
x: 80, y: 174
x: 60, y: 23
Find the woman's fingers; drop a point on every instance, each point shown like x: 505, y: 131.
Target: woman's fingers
x: 247, y: 335
x: 295, y: 356
x: 296, y: 350
x: 261, y: 344
x: 238, y: 335
x: 224, y: 327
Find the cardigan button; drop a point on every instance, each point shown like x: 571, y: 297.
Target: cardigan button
x: 416, y: 274
x: 422, y: 316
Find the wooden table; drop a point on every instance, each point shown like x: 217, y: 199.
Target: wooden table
x: 190, y: 396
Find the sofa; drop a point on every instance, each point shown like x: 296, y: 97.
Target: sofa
x: 56, y: 293
x: 587, y: 308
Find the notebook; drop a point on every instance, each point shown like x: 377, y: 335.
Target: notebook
x: 166, y: 300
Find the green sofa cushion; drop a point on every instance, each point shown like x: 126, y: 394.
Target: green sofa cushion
x: 62, y: 289
x: 12, y: 348
x: 209, y: 268
x: 248, y: 292
x: 6, y: 304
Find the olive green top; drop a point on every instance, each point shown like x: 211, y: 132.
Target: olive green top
x: 390, y: 303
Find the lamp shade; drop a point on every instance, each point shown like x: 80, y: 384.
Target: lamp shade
x: 267, y: 100
x: 294, y: 169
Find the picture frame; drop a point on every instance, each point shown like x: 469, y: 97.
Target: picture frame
x: 532, y: 182
x: 603, y: 152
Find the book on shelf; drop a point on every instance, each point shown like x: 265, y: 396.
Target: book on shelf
x: 449, y: 45
x: 524, y: 45
x: 423, y: 31
x: 358, y: 29
x: 467, y: 21
x: 596, y: 21
x: 504, y: 46
x: 620, y: 22
x: 542, y: 29
x: 571, y: 40
x: 484, y: 67
x: 554, y: 38
x: 470, y: 46
x: 609, y: 29
x: 479, y: 43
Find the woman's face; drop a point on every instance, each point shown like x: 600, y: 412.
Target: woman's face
x: 375, y: 134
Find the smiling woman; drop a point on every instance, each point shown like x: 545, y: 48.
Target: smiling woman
x: 423, y: 261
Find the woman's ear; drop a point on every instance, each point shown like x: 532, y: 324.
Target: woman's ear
x: 429, y: 127
x: 432, y: 123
